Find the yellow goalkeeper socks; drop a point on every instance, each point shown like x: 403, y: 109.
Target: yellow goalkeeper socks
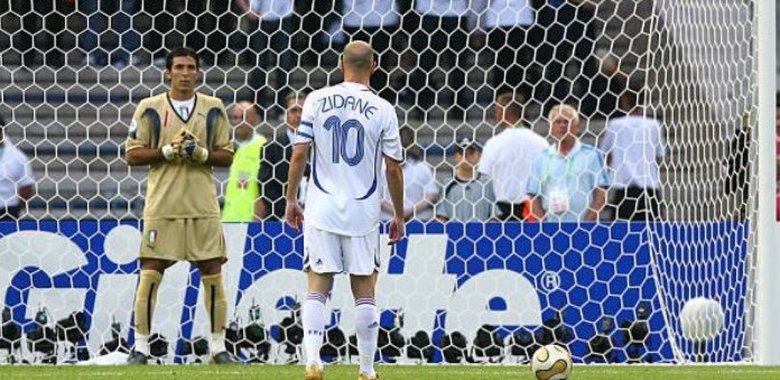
x: 216, y: 309
x: 145, y: 299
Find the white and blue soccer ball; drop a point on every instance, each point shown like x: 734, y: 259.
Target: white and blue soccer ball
x: 551, y: 362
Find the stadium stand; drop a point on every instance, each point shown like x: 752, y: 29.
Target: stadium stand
x: 67, y: 116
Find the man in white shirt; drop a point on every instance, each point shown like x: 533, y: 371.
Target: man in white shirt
x: 16, y: 178
x: 634, y: 145
x: 277, y: 23
x: 507, y: 157
x: 376, y: 22
x: 349, y: 130
x: 420, y: 190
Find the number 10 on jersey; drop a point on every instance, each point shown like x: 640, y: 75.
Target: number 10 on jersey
x: 340, y: 134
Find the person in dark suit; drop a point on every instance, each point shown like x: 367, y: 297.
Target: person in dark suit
x: 276, y: 160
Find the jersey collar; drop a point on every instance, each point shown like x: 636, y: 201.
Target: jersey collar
x: 357, y: 86
x: 194, y: 105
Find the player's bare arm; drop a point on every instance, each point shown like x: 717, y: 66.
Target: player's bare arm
x: 395, y: 185
x: 294, y: 214
x: 220, y: 158
x: 297, y: 166
x: 144, y: 156
x: 149, y: 156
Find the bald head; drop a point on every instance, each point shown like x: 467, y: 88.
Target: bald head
x: 358, y: 57
x: 245, y: 117
x: 244, y: 111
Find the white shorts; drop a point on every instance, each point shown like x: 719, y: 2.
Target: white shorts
x: 327, y: 252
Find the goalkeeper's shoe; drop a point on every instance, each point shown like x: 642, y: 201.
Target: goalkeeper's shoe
x: 363, y: 376
x: 223, y: 358
x: 137, y: 358
x: 313, y: 373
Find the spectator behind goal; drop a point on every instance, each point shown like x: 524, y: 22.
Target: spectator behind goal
x: 242, y: 193
x: 468, y: 195
x: 634, y: 145
x: 276, y: 160
x: 507, y: 157
x: 420, y: 190
x: 568, y: 180
x: 17, y: 182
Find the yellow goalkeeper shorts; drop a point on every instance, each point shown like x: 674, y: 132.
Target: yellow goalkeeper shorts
x: 183, y: 239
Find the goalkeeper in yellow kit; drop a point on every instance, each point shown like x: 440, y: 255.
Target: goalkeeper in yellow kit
x: 181, y: 135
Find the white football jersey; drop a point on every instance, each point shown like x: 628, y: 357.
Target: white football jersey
x: 350, y: 129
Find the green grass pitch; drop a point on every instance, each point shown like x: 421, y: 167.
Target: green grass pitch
x: 338, y: 372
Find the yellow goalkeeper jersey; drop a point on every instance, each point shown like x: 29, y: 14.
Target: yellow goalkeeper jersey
x: 180, y: 189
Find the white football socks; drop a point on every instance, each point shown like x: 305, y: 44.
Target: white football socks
x: 141, y: 343
x: 217, y: 343
x: 313, y: 315
x: 367, y: 331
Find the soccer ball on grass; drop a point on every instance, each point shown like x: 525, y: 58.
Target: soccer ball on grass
x: 551, y: 362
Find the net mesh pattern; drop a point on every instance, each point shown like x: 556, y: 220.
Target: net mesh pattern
x: 73, y: 71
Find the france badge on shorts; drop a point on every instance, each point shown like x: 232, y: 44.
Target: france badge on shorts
x: 151, y: 238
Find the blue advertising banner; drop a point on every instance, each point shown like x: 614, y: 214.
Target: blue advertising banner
x: 515, y: 277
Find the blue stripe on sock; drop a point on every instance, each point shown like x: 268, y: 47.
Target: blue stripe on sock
x: 365, y: 301
x: 317, y: 297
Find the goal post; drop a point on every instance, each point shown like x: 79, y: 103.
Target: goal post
x: 768, y: 298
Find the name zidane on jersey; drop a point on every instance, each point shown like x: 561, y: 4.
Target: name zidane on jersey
x: 329, y: 103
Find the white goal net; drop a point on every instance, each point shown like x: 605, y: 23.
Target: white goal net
x: 666, y: 92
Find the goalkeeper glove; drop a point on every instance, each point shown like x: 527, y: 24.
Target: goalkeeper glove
x: 192, y: 151
x: 185, y: 135
x: 174, y: 149
x: 170, y: 152
x: 186, y: 143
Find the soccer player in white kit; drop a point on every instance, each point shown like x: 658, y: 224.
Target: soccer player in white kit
x: 349, y: 130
